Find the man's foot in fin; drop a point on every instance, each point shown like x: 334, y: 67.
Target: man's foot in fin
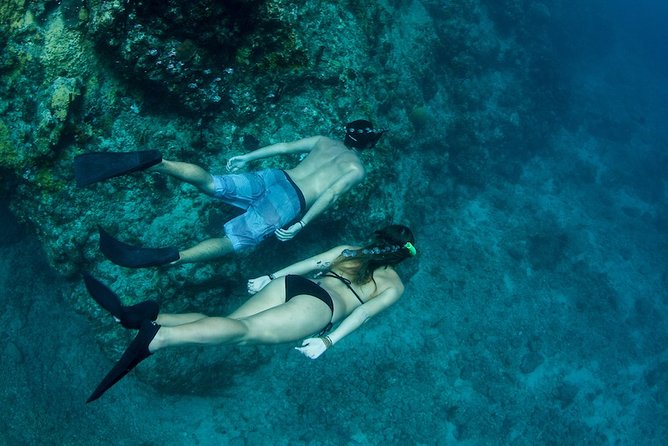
x: 135, y: 256
x: 136, y: 352
x: 129, y: 317
x: 92, y: 167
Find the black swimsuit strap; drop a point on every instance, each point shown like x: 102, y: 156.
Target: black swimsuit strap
x: 347, y: 282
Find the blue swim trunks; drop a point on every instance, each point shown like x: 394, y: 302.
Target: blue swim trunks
x: 271, y: 200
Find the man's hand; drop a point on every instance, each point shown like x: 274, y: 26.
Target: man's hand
x: 286, y: 234
x: 255, y: 285
x: 236, y: 162
x: 312, y: 347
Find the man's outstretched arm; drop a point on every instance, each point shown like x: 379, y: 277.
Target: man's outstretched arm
x: 281, y: 148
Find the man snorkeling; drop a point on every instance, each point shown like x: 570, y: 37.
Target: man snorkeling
x: 352, y: 285
x: 275, y: 201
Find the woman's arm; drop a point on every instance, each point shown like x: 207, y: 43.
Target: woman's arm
x: 319, y: 262
x: 282, y: 148
x: 314, y: 347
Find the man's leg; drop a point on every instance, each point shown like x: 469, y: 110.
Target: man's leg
x: 190, y: 173
x: 210, y: 249
x: 131, y: 256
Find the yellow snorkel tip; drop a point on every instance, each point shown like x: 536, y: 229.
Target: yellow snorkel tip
x: 409, y: 246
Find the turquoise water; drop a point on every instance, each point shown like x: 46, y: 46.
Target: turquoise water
x: 534, y: 314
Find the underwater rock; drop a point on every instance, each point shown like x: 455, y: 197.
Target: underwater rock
x: 19, y: 147
x: 64, y: 52
x: 8, y: 155
x: 250, y: 142
x: 12, y: 354
x: 64, y: 92
x: 419, y: 117
x: 198, y: 54
x: 565, y: 393
x: 12, y: 13
x: 62, y: 95
x: 530, y: 362
x: 546, y: 250
x: 657, y: 375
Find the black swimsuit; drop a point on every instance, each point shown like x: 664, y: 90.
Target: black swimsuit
x: 347, y: 282
x: 297, y: 285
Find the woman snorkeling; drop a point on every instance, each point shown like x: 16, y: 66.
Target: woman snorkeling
x: 352, y: 285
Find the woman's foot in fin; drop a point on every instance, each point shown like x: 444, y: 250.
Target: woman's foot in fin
x: 136, y: 352
x: 129, y: 317
x: 133, y: 316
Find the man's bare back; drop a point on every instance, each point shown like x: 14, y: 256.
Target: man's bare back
x: 329, y: 162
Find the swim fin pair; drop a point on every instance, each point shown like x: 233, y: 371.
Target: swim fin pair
x: 141, y: 316
x: 93, y: 167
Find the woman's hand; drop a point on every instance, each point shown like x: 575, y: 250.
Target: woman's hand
x: 236, y: 162
x: 286, y: 234
x: 255, y: 285
x: 312, y: 347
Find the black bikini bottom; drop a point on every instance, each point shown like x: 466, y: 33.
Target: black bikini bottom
x: 296, y: 285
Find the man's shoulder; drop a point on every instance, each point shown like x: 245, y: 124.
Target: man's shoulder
x: 349, y: 162
x: 325, y: 142
x: 354, y: 163
x: 334, y: 148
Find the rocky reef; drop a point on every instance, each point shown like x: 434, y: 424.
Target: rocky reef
x: 203, y: 81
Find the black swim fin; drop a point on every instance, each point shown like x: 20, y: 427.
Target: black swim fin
x: 135, y: 256
x: 136, y: 352
x: 129, y: 317
x: 92, y: 167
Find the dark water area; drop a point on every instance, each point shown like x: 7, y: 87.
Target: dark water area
x: 538, y: 316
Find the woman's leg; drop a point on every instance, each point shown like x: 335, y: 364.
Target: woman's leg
x: 298, y: 318
x: 271, y: 295
x: 172, y: 320
x: 190, y: 173
x: 205, y: 331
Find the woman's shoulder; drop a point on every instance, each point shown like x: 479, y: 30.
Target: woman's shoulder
x: 389, y: 278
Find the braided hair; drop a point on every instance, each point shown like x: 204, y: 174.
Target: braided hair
x: 391, y: 245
